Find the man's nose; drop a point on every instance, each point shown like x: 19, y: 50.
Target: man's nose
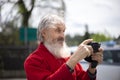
x: 62, y: 34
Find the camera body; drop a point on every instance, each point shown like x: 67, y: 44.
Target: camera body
x: 95, y: 47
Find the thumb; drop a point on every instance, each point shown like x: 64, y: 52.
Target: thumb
x: 87, y: 41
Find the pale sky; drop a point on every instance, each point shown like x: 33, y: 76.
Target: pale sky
x: 101, y: 16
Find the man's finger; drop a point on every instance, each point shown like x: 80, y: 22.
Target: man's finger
x: 101, y: 49
x: 87, y: 41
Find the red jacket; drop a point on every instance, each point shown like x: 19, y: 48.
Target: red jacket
x: 42, y: 65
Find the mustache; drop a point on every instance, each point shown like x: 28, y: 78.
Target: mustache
x: 60, y: 39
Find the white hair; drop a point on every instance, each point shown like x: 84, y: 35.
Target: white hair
x: 48, y: 21
x: 58, y: 51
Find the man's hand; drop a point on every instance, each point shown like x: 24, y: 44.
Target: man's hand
x: 83, y: 51
x: 97, y: 57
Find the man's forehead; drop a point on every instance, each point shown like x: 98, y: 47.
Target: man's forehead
x: 61, y: 26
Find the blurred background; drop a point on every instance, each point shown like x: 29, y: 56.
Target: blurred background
x: 96, y: 19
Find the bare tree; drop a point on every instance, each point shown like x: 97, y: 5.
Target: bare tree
x: 23, y: 13
x: 25, y: 8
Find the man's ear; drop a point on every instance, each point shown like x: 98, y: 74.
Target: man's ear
x: 43, y: 32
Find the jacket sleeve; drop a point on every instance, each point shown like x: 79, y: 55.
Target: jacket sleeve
x: 36, y: 70
x: 82, y: 74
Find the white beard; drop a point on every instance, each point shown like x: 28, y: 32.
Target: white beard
x: 57, y: 50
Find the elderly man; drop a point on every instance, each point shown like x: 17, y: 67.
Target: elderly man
x: 52, y: 59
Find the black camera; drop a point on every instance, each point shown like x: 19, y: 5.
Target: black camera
x: 95, y: 47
